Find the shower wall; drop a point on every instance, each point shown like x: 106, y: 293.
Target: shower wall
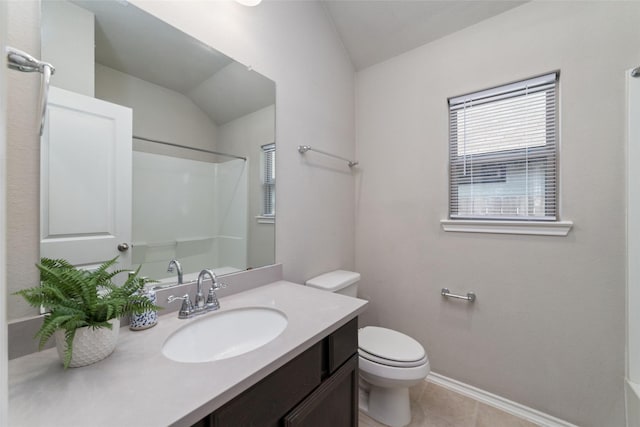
x: 189, y: 210
x: 210, y: 192
x: 633, y: 253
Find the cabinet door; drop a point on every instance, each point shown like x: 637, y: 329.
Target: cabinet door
x: 334, y: 403
x: 264, y: 404
x: 342, y: 344
x: 85, y: 179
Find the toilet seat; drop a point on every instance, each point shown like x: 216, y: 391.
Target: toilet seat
x: 389, y: 347
x: 387, y: 362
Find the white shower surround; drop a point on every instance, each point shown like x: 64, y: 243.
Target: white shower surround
x: 632, y: 389
x: 189, y: 210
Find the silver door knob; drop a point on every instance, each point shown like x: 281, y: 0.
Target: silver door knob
x: 123, y: 247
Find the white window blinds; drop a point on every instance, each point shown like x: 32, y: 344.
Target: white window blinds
x: 503, y: 152
x: 269, y: 179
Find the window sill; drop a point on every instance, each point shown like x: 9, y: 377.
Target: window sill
x: 540, y: 228
x: 266, y: 219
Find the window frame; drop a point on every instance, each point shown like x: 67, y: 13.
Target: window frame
x: 506, y: 158
x: 268, y: 185
x: 550, y: 223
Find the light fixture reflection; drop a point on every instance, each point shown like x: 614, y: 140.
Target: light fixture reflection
x: 249, y: 2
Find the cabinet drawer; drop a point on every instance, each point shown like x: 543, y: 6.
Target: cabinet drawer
x: 267, y: 402
x: 333, y: 404
x: 341, y: 345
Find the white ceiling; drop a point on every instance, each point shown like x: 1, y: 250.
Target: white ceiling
x: 375, y: 30
x: 136, y: 43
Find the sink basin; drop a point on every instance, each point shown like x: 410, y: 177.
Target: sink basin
x: 224, y: 335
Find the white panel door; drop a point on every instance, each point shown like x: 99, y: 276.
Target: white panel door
x: 85, y: 180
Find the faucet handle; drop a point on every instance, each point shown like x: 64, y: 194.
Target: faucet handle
x: 186, y: 310
x: 217, y: 285
x: 212, y: 303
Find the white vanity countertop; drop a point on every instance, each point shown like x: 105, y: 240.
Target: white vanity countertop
x: 138, y: 386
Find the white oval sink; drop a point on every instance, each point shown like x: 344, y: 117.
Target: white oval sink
x: 223, y: 335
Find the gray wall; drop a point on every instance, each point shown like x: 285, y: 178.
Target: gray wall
x: 69, y: 44
x: 547, y: 329
x: 315, y: 106
x: 245, y: 136
x: 158, y: 113
x: 23, y: 150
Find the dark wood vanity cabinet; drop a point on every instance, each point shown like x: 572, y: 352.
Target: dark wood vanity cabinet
x: 319, y: 388
x: 334, y: 403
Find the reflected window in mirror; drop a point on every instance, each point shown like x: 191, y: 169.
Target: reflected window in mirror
x: 269, y: 180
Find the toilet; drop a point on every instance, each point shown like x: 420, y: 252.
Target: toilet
x: 390, y: 362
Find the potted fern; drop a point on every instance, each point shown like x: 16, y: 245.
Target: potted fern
x: 84, y: 308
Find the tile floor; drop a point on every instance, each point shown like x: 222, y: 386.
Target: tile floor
x: 435, y: 406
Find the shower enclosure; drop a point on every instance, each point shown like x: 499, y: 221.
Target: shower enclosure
x: 632, y: 386
x: 191, y: 210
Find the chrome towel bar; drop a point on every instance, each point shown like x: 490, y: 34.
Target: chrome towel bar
x: 304, y: 148
x: 471, y: 297
x: 22, y: 61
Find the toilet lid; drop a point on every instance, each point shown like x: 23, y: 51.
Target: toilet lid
x: 393, y: 363
x: 389, y: 344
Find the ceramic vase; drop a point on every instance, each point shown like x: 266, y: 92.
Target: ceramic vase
x: 90, y: 345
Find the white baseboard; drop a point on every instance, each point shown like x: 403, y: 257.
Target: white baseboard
x: 506, y: 405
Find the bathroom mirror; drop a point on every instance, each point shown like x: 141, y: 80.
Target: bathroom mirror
x: 202, y: 155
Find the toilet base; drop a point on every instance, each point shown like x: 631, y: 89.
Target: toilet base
x: 389, y: 406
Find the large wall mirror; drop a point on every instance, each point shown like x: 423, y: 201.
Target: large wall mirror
x: 156, y: 147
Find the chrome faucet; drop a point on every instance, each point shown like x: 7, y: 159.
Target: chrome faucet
x: 199, y: 306
x: 172, y: 263
x: 212, y: 302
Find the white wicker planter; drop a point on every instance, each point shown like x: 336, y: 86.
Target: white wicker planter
x: 89, y: 345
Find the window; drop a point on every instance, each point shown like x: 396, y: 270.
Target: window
x: 503, y: 152
x: 268, y: 180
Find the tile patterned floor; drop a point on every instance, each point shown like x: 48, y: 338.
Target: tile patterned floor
x: 435, y: 406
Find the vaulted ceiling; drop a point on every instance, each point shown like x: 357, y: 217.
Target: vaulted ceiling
x: 372, y: 31
x: 131, y: 41
x: 376, y: 30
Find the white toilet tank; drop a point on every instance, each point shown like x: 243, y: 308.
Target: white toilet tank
x: 339, y: 281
